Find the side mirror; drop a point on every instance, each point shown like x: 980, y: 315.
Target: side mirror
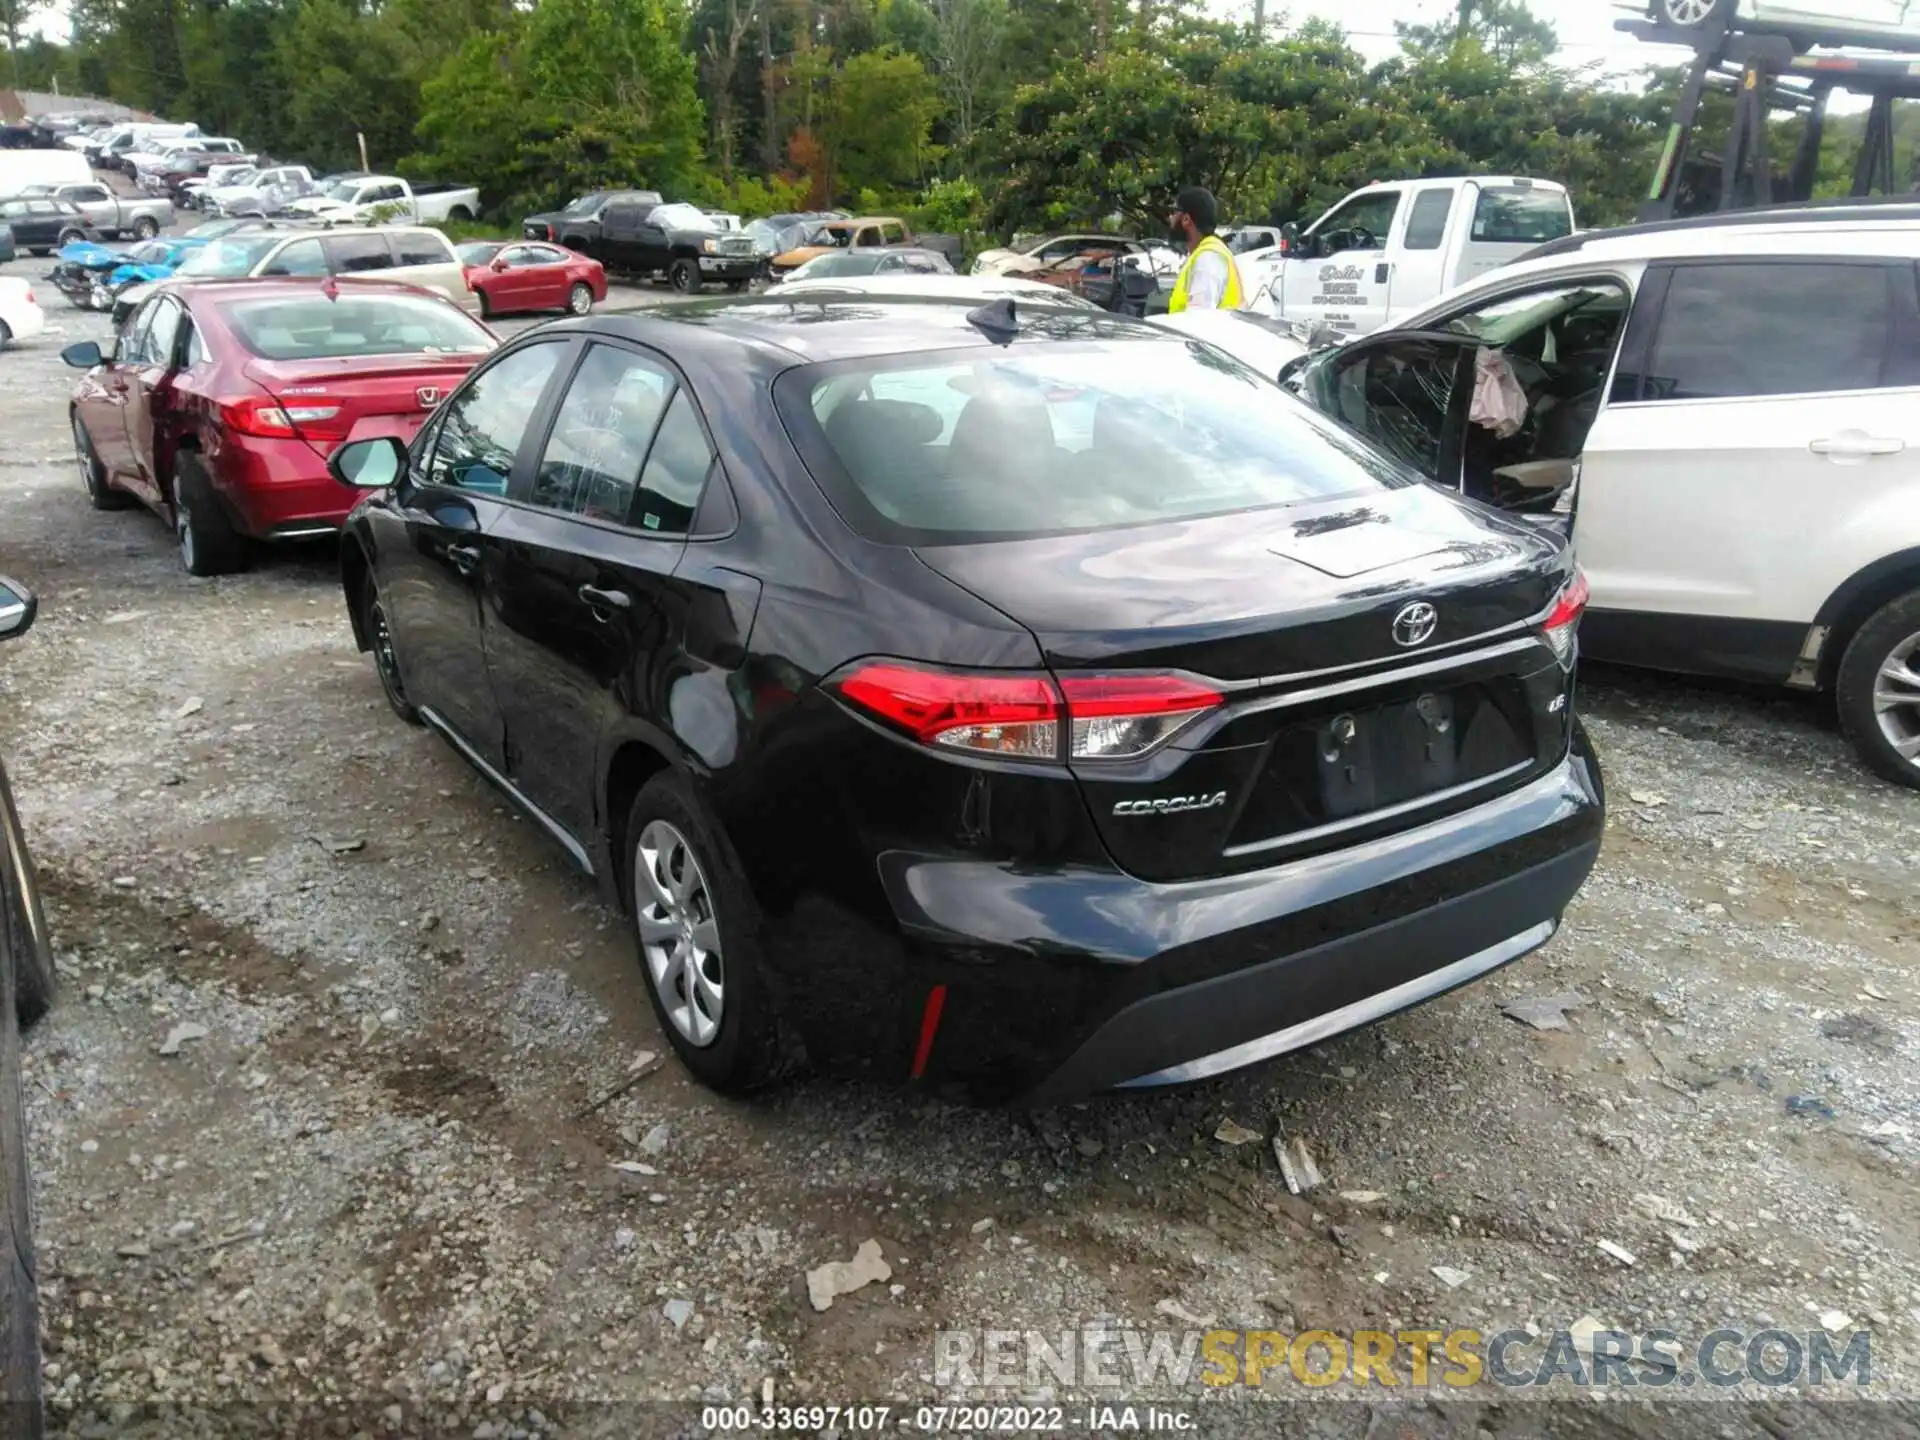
x: 496, y: 264
x: 17, y: 608
x: 1290, y: 239
x: 371, y: 464
x: 83, y: 355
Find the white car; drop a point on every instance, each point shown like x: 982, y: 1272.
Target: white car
x: 1833, y: 21
x: 20, y: 315
x: 1050, y: 250
x: 1726, y: 411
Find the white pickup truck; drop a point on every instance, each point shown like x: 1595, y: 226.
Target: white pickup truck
x: 1389, y: 249
x: 384, y: 199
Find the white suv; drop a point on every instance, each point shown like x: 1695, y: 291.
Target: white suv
x: 1726, y: 410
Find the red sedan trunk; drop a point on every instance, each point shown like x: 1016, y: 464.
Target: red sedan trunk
x: 223, y: 399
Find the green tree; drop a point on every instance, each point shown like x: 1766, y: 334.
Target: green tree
x: 880, y: 113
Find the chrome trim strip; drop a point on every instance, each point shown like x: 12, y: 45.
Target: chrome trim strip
x: 1388, y: 677
x: 310, y: 532
x: 1369, y: 817
x: 1348, y: 1017
x: 546, y: 822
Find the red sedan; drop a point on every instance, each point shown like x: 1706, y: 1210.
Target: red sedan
x: 509, y: 275
x: 219, y: 401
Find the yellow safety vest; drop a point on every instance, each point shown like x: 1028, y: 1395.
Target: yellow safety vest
x: 1229, y: 298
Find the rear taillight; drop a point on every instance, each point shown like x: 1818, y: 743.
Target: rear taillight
x: 259, y: 415
x: 1563, y: 621
x: 1028, y: 716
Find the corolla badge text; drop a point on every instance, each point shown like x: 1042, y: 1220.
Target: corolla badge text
x: 1171, y: 804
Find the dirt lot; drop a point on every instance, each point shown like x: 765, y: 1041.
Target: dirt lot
x: 373, y: 1180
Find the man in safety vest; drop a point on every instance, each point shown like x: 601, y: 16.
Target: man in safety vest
x: 1209, y: 280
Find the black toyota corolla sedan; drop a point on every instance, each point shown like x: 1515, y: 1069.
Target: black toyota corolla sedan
x: 1021, y: 701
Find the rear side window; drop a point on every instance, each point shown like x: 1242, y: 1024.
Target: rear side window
x: 417, y: 247
x: 591, y: 464
x: 482, y: 427
x: 1427, y: 222
x: 1781, y: 328
x: 676, y: 470
x: 1517, y: 215
x: 354, y: 254
x: 1062, y: 437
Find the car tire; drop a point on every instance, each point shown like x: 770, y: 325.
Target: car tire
x: 208, y: 545
x: 699, y: 887
x: 145, y: 228
x: 375, y: 625
x: 579, y: 298
x: 684, y: 276
x: 70, y: 237
x: 736, y: 286
x: 93, y: 475
x: 1883, y: 650
x: 486, y: 305
x: 6, y: 335
x: 1691, y: 14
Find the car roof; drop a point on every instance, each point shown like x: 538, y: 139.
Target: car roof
x: 247, y: 287
x: 824, y: 326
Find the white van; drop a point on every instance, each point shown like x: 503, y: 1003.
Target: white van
x: 22, y: 168
x: 1388, y: 250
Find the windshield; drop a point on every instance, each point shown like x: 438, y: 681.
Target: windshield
x: 1505, y: 321
x: 347, y: 191
x: 228, y: 256
x: 245, y: 175
x: 585, y: 203
x: 681, y: 217
x: 1067, y: 436
x: 318, y: 328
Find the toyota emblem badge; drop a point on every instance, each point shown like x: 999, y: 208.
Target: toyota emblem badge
x: 1415, y: 623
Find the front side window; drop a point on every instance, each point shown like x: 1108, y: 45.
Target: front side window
x: 357, y: 254
x: 1774, y: 328
x: 482, y: 427
x: 1065, y: 437
x: 300, y: 257
x: 1362, y: 223
x: 591, y: 464
x: 132, y: 346
x: 158, y: 348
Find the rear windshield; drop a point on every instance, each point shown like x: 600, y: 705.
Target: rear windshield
x: 1511, y: 214
x: 823, y: 266
x: 317, y: 328
x: 1063, y: 437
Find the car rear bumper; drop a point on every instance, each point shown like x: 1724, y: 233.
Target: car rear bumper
x: 1058, y: 984
x: 279, y: 489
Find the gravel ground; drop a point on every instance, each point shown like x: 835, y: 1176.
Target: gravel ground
x: 366, y: 1175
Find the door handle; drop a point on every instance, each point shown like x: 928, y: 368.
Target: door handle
x: 1381, y: 272
x: 604, y: 602
x: 465, y: 558
x: 1854, y: 446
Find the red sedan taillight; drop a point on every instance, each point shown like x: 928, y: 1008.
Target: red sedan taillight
x: 1028, y: 716
x: 261, y: 415
x: 1563, y: 621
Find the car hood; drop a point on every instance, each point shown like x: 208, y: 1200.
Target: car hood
x: 804, y: 253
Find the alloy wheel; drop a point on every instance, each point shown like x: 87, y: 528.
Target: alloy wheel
x: 580, y: 299
x: 1896, y: 698
x: 189, y: 546
x: 673, y: 907
x: 84, y: 456
x: 1688, y: 13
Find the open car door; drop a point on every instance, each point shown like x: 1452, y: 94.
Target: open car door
x: 1407, y: 393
